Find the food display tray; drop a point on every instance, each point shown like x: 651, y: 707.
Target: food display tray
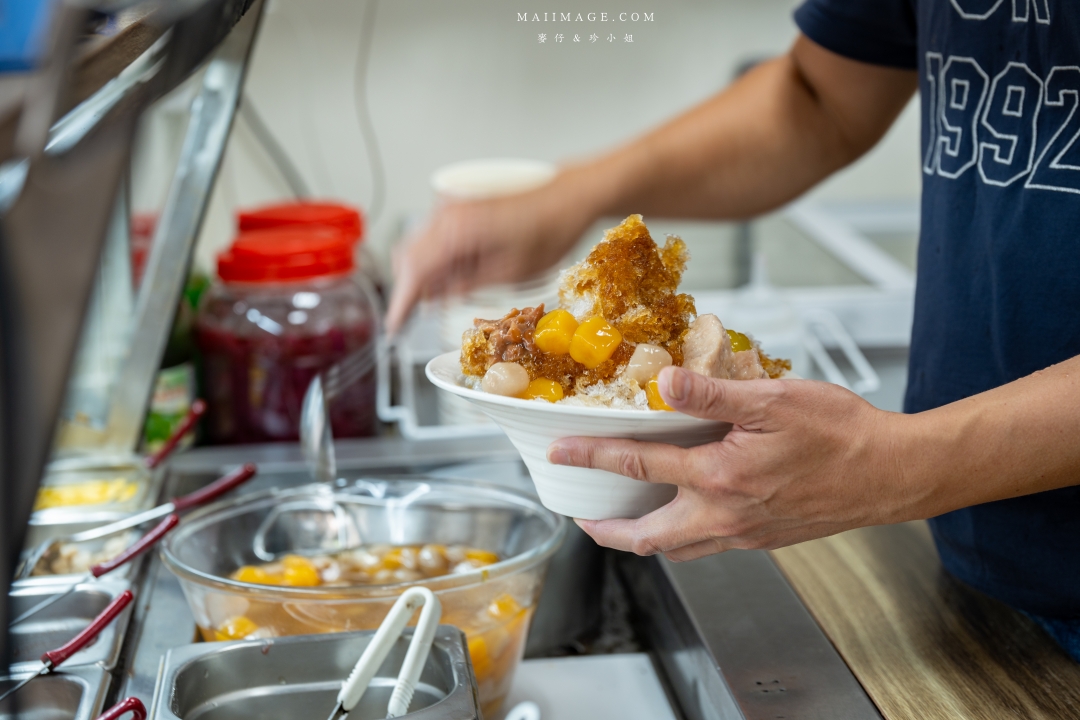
x: 124, y: 572
x: 300, y: 677
x: 46, y: 525
x: 58, y: 522
x: 63, y: 620
x: 92, y: 468
x: 71, y: 694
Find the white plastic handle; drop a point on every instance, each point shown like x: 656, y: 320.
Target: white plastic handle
x: 375, y: 653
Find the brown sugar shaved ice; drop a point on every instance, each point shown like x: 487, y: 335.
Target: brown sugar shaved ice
x: 627, y: 280
x: 631, y: 282
x: 775, y: 368
x: 621, y: 299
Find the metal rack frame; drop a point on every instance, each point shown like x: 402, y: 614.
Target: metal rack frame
x: 62, y: 161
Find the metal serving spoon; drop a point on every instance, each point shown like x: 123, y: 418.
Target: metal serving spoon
x: 316, y: 435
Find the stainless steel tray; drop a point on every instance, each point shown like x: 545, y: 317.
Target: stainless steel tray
x: 63, y: 620
x: 300, y: 676
x: 46, y: 525
x: 56, y: 522
x: 83, y: 468
x: 93, y: 467
x: 24, y: 579
x: 75, y: 694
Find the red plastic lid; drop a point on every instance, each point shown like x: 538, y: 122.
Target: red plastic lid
x: 345, y: 218
x: 286, y: 254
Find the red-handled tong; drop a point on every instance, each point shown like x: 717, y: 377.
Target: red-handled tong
x: 198, y: 409
x: 201, y: 496
x: 144, y: 543
x: 131, y: 705
x: 54, y: 658
x: 215, y: 489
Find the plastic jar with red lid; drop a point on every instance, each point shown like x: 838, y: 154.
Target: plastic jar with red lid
x: 303, y: 213
x: 288, y: 304
x: 347, y: 219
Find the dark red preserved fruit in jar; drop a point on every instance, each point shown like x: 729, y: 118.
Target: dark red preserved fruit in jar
x: 289, y: 305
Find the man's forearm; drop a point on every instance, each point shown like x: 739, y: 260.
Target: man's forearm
x: 754, y: 147
x: 1015, y: 440
x: 769, y: 137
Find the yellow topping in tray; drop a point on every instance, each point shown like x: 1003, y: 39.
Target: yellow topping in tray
x: 90, y: 492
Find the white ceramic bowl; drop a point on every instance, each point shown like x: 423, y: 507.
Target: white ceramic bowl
x: 532, y: 425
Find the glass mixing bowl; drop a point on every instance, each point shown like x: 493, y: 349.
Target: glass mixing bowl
x: 492, y: 605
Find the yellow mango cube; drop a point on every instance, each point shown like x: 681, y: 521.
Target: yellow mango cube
x: 652, y: 392
x: 300, y: 572
x: 252, y: 574
x: 594, y: 341
x: 554, y: 332
x: 481, y: 659
x: 543, y: 388
x: 236, y: 628
x: 481, y: 556
x: 504, y: 607
x: 739, y: 342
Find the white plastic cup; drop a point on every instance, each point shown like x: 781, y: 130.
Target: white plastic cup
x: 491, y: 177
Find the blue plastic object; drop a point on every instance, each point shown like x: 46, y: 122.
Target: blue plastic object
x: 24, y: 25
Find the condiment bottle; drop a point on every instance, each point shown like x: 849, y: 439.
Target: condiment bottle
x: 288, y: 303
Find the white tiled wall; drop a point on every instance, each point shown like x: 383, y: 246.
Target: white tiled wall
x: 458, y: 79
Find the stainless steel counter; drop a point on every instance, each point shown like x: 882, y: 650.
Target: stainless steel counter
x: 735, y: 641
x: 730, y: 636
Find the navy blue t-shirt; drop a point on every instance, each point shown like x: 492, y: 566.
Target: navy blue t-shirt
x: 998, y: 291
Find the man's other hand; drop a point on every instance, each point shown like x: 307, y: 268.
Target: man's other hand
x: 803, y: 460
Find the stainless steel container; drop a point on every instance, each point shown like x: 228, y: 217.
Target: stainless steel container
x: 96, y: 547
x: 300, y: 676
x: 63, y: 620
x: 58, y: 522
x: 68, y: 473
x: 75, y: 694
x: 51, y: 523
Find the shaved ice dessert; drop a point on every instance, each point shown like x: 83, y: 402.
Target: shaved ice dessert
x: 620, y: 321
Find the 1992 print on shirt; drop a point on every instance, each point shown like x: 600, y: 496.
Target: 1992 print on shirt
x: 999, y: 113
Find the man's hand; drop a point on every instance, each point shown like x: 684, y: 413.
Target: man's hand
x: 804, y: 459
x: 466, y: 245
